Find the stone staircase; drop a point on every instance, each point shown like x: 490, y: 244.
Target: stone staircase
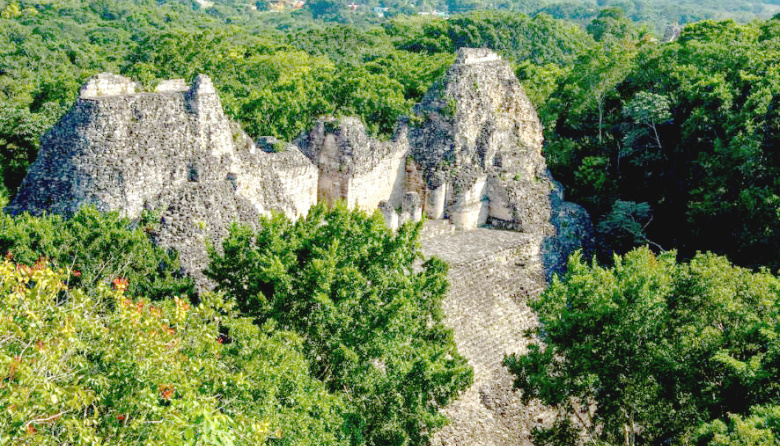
x: 492, y: 274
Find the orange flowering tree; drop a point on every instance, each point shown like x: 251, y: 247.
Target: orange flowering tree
x: 105, y: 367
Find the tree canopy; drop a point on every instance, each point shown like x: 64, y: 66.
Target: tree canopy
x: 104, y: 366
x: 653, y: 351
x: 371, y: 321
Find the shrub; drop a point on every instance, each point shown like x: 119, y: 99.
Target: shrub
x: 101, y: 246
x: 659, y: 349
x: 102, y: 367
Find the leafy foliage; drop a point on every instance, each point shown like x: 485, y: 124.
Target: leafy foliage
x: 415, y: 72
x: 371, y: 321
x: 100, y: 247
x: 271, y: 89
x: 540, y: 40
x: 685, y: 127
x: 103, y: 367
x: 761, y: 428
x: 20, y: 130
x: 683, y: 132
x: 656, y: 348
x: 624, y: 227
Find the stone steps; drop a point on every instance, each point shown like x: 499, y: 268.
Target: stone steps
x: 492, y: 274
x: 436, y: 228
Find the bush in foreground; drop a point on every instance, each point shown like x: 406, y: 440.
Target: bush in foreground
x: 368, y: 307
x: 102, y: 367
x: 661, y: 352
x: 100, y: 246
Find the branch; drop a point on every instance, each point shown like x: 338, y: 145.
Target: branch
x: 647, y: 240
x: 587, y: 425
x: 43, y: 420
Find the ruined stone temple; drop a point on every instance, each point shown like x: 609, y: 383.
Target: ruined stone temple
x: 470, y: 159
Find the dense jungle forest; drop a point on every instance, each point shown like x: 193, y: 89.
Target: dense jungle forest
x: 328, y: 330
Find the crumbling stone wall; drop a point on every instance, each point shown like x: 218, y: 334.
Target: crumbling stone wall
x: 353, y: 167
x: 198, y: 213
x: 280, y: 179
x: 107, y: 84
x: 173, y: 152
x: 128, y: 151
x: 480, y: 147
x: 471, y: 155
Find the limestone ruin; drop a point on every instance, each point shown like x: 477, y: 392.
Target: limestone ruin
x: 470, y: 157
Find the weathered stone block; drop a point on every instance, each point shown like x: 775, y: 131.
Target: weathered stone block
x: 172, y: 86
x: 107, y: 84
x: 389, y: 214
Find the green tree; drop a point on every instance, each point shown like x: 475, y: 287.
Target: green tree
x: 648, y: 111
x: 716, y: 165
x: 376, y: 98
x: 597, y: 75
x: 540, y: 39
x: 101, y: 247
x: 11, y: 11
x: 326, y: 9
x: 649, y: 350
x: 760, y: 428
x: 612, y: 23
x: 291, y: 90
x: 624, y: 227
x: 686, y: 127
x: 415, y: 72
x: 20, y: 133
x: 371, y: 320
x: 103, y: 366
x: 342, y: 43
